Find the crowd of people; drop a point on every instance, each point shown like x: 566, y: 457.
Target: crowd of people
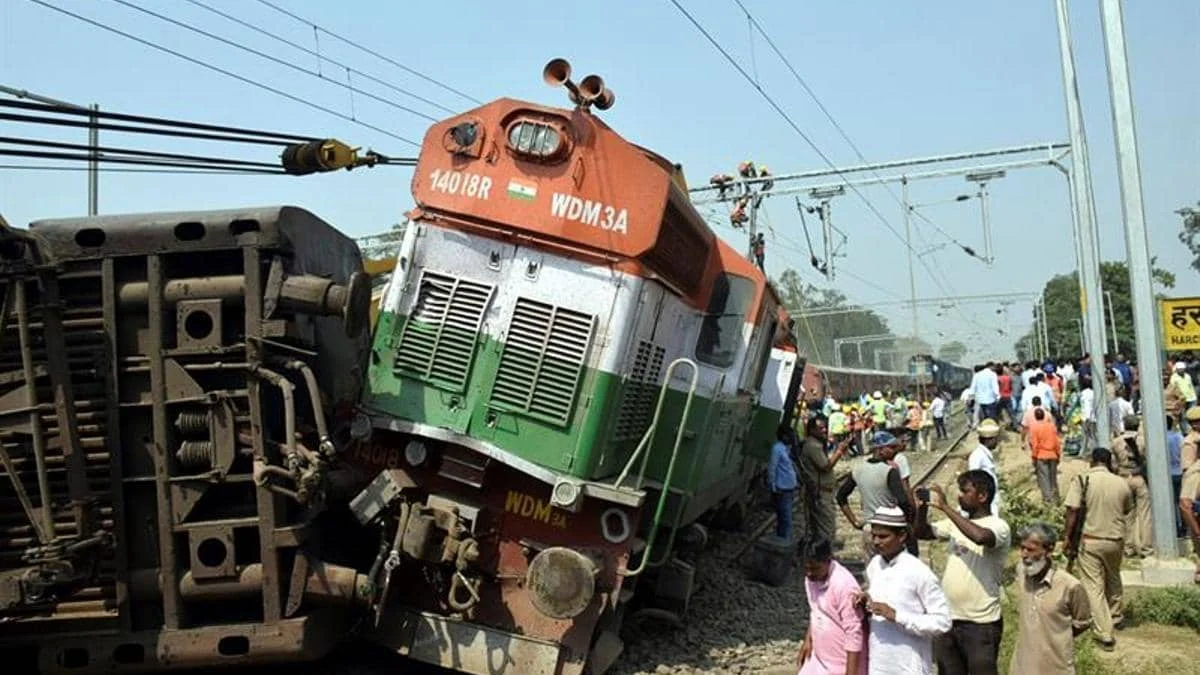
x: 904, y: 619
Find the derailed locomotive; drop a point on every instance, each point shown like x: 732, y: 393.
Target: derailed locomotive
x: 568, y: 373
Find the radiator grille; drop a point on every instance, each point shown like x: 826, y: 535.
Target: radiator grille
x: 638, y: 397
x: 438, y: 343
x: 543, y: 357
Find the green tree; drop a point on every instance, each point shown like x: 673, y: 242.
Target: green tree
x: 1061, y: 296
x: 816, y: 335
x: 1190, y: 235
x: 952, y: 351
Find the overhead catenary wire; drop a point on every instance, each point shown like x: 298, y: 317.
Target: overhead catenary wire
x: 197, y: 171
x: 132, y: 152
x: 312, y: 52
x: 353, y: 43
x: 275, y: 59
x: 800, y: 132
x: 272, y: 136
x: 829, y: 116
x: 223, y: 71
x: 755, y: 25
x: 122, y: 128
x: 85, y: 157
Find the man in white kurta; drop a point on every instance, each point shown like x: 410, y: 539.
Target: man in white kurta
x: 907, y: 606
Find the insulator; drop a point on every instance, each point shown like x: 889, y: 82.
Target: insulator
x: 328, y: 154
x: 195, y: 455
x: 191, y: 423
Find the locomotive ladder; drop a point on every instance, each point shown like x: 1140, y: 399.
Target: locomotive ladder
x: 643, y: 450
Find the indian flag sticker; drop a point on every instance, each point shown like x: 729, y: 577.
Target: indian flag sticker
x: 519, y: 189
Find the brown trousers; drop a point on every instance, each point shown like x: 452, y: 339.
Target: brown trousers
x: 1099, y: 566
x: 1139, y: 537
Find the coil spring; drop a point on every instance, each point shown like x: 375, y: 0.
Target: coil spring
x: 195, y: 455
x: 189, y: 423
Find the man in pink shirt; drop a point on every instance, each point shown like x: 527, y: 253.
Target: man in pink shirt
x: 835, y: 642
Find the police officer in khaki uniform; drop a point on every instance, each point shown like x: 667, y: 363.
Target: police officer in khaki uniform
x: 1191, y: 442
x: 1189, y: 492
x: 1107, y: 502
x: 1189, y: 498
x: 1129, y: 452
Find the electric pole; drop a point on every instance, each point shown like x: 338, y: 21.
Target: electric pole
x: 93, y: 177
x: 1140, y: 281
x: 1091, y: 291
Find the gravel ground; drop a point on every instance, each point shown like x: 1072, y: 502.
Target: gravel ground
x: 736, y: 625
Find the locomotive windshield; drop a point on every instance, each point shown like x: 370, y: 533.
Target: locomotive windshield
x: 720, y: 333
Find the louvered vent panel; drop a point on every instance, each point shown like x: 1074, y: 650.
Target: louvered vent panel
x: 640, y: 392
x: 438, y: 343
x: 544, y: 353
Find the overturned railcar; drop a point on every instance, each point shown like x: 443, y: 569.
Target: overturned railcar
x: 168, y: 384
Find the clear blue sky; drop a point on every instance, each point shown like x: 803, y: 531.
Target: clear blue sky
x: 904, y: 79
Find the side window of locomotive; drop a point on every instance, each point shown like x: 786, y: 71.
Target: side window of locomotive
x: 721, y: 331
x: 763, y: 357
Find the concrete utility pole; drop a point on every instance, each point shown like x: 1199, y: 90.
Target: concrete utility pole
x: 1140, y: 281
x: 1087, y: 249
x: 93, y: 140
x: 1113, y: 346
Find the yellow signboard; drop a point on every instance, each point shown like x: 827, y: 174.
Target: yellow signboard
x: 1180, y: 323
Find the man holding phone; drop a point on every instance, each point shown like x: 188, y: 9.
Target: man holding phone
x: 972, y: 580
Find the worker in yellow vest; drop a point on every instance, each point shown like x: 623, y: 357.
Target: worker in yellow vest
x: 838, y: 420
x: 879, y: 410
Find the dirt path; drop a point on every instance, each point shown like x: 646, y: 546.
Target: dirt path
x: 735, y: 625
x: 1148, y: 649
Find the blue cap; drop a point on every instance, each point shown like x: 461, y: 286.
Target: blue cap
x: 882, y: 438
x: 1048, y: 367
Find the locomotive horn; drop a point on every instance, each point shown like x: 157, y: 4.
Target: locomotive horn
x: 557, y: 73
x: 593, y: 92
x: 606, y: 99
x: 591, y: 88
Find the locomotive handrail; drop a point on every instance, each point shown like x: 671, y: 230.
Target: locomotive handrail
x: 642, y: 446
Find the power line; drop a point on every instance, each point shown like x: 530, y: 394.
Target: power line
x: 274, y: 59
x: 86, y: 157
x: 198, y: 171
x: 277, y: 137
x: 223, y: 71
x: 196, y: 129
x: 130, y: 152
x: 370, y: 51
x: 311, y: 52
x: 795, y: 127
x: 841, y: 131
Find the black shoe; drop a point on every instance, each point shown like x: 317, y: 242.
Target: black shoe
x: 1106, y: 645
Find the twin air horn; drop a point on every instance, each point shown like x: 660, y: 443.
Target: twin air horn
x: 589, y: 92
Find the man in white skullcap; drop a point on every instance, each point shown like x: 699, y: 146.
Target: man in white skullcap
x: 906, y: 603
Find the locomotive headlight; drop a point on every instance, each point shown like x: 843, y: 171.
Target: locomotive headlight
x: 561, y: 582
x: 360, y: 427
x: 415, y: 453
